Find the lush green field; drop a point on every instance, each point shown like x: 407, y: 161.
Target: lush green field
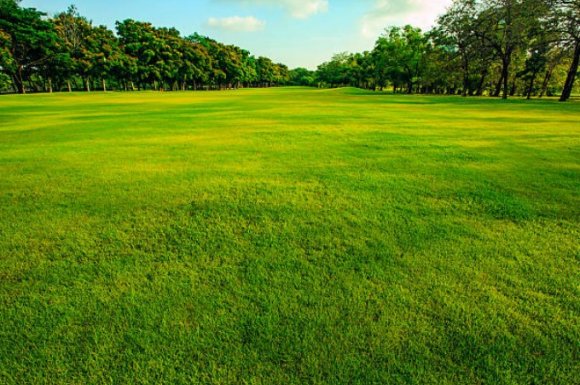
x: 288, y: 236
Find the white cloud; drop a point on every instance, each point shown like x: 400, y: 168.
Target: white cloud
x: 418, y: 13
x: 237, y: 23
x: 300, y: 9
x: 303, y: 9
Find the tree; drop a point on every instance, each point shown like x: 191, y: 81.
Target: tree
x: 466, y: 40
x: 103, y: 53
x: 5, y: 82
x: 505, y: 26
x: 281, y: 74
x: 508, y: 47
x: 30, y: 38
x: 537, y: 58
x: 444, y: 68
x: 565, y: 17
x: 250, y: 68
x: 6, y: 60
x: 227, y: 62
x: 456, y: 31
x: 195, y: 63
x: 139, y: 42
x: 265, y: 71
x: 302, y: 77
x: 400, y: 57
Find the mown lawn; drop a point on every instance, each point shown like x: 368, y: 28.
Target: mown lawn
x: 288, y: 236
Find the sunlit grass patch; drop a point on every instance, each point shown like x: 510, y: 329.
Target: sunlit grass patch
x: 288, y: 236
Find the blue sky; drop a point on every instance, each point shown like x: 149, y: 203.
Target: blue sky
x: 301, y: 33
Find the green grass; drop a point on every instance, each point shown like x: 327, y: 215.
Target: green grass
x: 288, y: 236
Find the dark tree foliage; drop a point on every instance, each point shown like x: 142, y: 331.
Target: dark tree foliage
x: 565, y: 22
x: 69, y: 52
x: 302, y: 77
x: 28, y: 41
x: 478, y: 47
x: 494, y: 47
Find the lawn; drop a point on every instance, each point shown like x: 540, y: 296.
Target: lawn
x: 288, y: 236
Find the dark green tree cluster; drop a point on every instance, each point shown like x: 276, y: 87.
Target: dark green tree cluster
x: 68, y: 52
x: 302, y: 77
x: 479, y: 47
x: 494, y: 47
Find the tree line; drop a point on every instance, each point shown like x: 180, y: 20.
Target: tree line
x: 493, y: 47
x: 68, y: 52
x: 478, y: 47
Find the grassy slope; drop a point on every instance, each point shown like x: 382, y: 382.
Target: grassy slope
x: 288, y: 236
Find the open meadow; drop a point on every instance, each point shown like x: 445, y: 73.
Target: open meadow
x: 288, y: 236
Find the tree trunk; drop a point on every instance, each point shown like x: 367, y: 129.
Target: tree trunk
x: 104, y: 85
x: 465, y: 77
x: 498, y: 86
x: 546, y: 81
x: 481, y: 83
x: 19, y: 81
x: 50, y: 85
x: 68, y: 86
x: 513, y: 88
x: 88, y: 84
x: 569, y: 85
x: 505, y: 75
x: 531, y: 85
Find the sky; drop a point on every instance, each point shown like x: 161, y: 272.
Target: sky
x: 298, y: 33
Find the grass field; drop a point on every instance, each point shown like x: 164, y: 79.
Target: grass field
x: 288, y: 236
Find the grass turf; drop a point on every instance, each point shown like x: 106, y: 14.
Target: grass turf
x: 288, y: 236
